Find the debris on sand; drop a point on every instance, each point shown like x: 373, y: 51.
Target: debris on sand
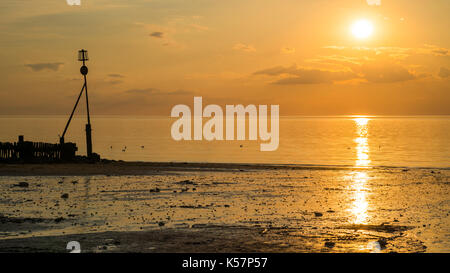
x: 330, y: 244
x: 65, y: 196
x: 161, y: 224
x: 194, y: 207
x: 318, y: 214
x: 382, y: 242
x: 186, y: 182
x: 22, y: 185
x: 59, y: 219
x: 155, y: 190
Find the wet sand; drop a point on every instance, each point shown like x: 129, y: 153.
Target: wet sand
x: 181, y: 207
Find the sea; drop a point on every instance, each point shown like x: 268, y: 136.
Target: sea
x: 359, y: 141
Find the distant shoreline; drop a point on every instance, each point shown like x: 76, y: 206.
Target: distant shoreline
x: 111, y: 167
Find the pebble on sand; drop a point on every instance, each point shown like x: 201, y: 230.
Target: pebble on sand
x: 65, y: 196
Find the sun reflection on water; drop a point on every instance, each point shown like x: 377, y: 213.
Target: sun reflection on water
x: 361, y: 140
x: 359, y: 205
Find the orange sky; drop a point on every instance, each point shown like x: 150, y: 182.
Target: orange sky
x: 147, y: 56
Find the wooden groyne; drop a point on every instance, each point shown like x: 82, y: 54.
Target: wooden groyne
x: 27, y: 151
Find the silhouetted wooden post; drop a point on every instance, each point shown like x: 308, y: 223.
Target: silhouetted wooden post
x: 20, y: 147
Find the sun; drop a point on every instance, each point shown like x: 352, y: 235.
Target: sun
x: 362, y: 29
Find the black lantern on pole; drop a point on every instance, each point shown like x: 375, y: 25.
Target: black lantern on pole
x: 83, y: 57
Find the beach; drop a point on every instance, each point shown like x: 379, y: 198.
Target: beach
x: 116, y: 206
x: 225, y: 127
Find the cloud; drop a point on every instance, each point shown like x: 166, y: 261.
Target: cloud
x: 156, y: 91
x: 440, y: 52
x: 396, y: 52
x: 374, y: 2
x: 444, y: 72
x: 142, y: 91
x: 170, y: 32
x: 198, y: 27
x: 288, y: 50
x: 115, y: 82
x: 385, y: 64
x: 387, y: 73
x: 244, y: 47
x: 277, y: 70
x: 436, y: 51
x: 346, y: 61
x: 391, y: 52
x: 115, y: 75
x: 114, y: 78
x: 160, y: 33
x: 157, y: 34
x: 297, y: 75
x: 369, y: 71
x: 44, y: 66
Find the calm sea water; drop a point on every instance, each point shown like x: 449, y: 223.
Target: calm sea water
x: 416, y: 141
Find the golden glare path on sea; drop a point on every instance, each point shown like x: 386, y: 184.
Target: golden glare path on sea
x: 360, y: 205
